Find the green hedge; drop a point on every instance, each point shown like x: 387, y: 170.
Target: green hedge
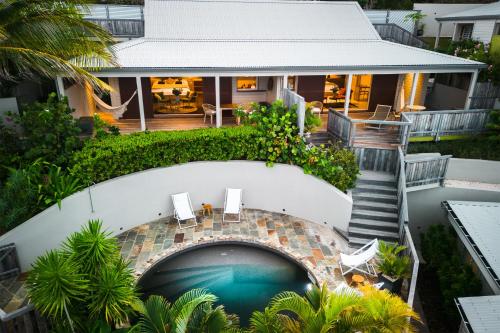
x: 115, y: 156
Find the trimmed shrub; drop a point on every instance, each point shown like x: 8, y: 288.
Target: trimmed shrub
x: 115, y: 156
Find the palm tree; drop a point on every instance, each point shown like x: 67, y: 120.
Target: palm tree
x: 320, y: 311
x: 51, y: 38
x: 327, y: 312
x: 388, y: 312
x: 55, y: 285
x: 191, y: 312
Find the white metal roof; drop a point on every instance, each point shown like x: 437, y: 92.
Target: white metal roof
x: 481, y: 314
x: 480, y: 223
x: 256, y: 20
x: 144, y: 53
x: 484, y: 12
x: 281, y: 36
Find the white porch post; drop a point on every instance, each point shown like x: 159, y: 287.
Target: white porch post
x: 218, y: 110
x: 413, y: 88
x: 348, y: 94
x: 141, y: 103
x: 436, y: 43
x: 472, y: 85
x: 60, y: 87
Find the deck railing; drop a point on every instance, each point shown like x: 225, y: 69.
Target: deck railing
x: 344, y: 128
x: 121, y: 27
x: 436, y: 124
x: 394, y: 33
x: 403, y: 221
x: 426, y: 170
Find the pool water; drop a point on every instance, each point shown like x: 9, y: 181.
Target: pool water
x: 243, y: 277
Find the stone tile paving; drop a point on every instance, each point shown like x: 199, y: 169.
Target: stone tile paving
x: 315, y: 246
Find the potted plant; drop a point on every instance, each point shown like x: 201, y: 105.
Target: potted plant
x: 239, y: 113
x: 393, y: 266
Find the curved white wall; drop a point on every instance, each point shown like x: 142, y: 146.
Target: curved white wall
x: 125, y: 202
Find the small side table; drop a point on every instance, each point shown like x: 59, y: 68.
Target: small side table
x: 358, y: 279
x: 413, y: 108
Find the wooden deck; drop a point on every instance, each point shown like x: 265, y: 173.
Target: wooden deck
x: 128, y: 126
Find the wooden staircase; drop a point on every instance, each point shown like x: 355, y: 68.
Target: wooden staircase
x: 375, y: 212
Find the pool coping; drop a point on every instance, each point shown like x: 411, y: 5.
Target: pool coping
x: 228, y: 240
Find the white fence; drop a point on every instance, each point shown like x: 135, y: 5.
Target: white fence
x: 126, y: 202
x: 290, y: 98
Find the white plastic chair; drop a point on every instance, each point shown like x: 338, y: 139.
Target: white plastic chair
x: 360, y: 259
x: 183, y: 210
x: 232, y: 204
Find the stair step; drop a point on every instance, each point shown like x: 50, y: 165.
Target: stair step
x: 375, y: 197
x: 374, y: 215
x: 388, y: 183
x: 376, y: 206
x: 373, y: 224
x: 370, y: 233
x: 375, y: 189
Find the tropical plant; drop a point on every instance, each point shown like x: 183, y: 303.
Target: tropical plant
x: 391, y: 263
x: 56, y: 287
x: 56, y: 186
x: 48, y: 130
x: 191, y: 312
x: 51, y: 38
x: 445, y: 263
x: 102, y: 129
x: 311, y: 121
x: 387, y: 312
x: 324, y: 311
x: 89, y: 279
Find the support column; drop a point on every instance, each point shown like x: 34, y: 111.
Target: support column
x: 470, y: 92
x: 218, y: 110
x: 436, y: 43
x: 141, y: 103
x: 348, y: 94
x: 413, y: 89
x: 60, y: 87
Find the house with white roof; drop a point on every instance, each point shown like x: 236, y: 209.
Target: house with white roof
x: 224, y: 53
x: 478, y: 23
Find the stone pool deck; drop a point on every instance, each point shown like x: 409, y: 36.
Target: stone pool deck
x: 315, y: 246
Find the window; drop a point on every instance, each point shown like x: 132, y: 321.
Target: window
x: 247, y: 83
x: 466, y: 31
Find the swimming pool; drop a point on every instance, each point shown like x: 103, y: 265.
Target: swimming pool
x: 243, y: 277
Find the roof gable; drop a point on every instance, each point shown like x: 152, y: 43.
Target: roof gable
x: 256, y: 20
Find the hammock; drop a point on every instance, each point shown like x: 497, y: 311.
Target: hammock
x: 117, y: 111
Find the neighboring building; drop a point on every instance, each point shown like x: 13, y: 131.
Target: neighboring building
x: 479, y: 314
x: 478, y: 227
x: 479, y: 23
x: 234, y: 52
x: 435, y: 10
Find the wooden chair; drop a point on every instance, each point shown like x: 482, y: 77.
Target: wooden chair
x: 209, y: 110
x: 316, y: 107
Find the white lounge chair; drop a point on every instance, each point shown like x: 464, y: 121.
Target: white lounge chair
x: 183, y: 210
x: 360, y: 259
x: 232, y: 204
